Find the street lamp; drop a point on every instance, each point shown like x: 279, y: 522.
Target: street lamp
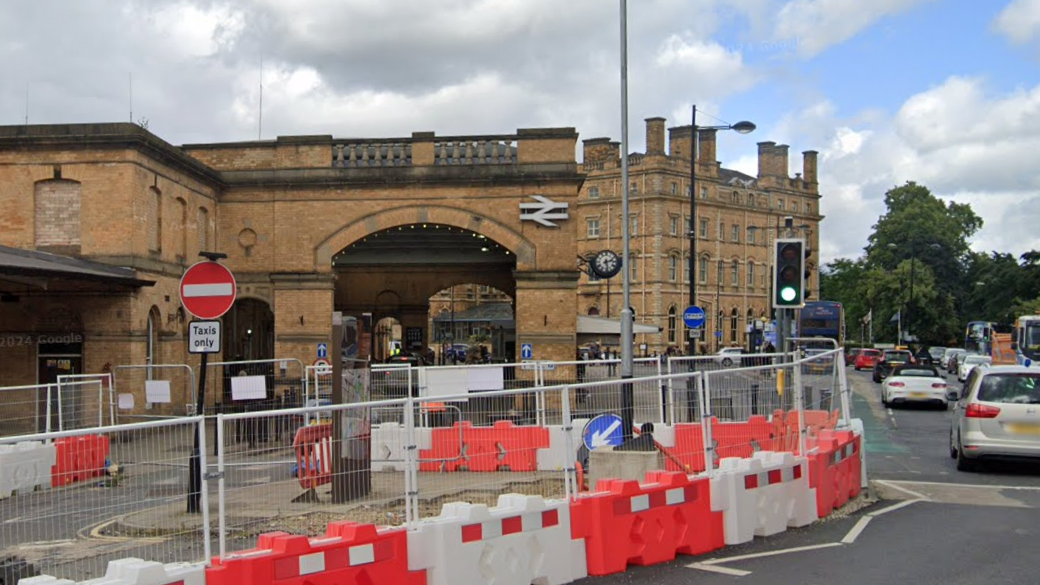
x: 910, y: 303
x: 743, y: 127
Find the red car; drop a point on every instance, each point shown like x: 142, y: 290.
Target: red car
x: 866, y: 359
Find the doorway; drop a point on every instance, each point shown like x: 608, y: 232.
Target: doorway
x: 66, y: 410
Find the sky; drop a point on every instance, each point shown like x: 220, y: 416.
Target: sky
x: 941, y: 92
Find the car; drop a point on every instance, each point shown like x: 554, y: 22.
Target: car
x: 996, y: 416
x: 936, y: 352
x: 456, y: 353
x: 914, y: 383
x: 890, y: 358
x: 969, y: 363
x: 851, y: 354
x: 728, y: 356
x: 955, y: 360
x: 866, y: 359
x: 944, y: 361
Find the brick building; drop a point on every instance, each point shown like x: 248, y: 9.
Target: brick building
x: 738, y: 218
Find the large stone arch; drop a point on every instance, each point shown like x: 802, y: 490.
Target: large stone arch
x: 524, y: 250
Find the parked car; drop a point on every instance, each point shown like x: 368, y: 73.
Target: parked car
x: 996, y: 416
x: 944, y: 361
x: 936, y: 352
x: 914, y: 383
x: 851, y: 354
x: 969, y: 363
x: 890, y: 358
x: 955, y: 361
x: 728, y: 356
x: 867, y: 359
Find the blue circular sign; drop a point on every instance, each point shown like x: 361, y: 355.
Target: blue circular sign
x: 693, y: 317
x: 602, y: 431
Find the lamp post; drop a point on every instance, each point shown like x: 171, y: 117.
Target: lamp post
x: 743, y: 127
x: 910, y: 303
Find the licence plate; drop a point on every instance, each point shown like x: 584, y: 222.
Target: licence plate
x: 918, y: 395
x: 1024, y: 429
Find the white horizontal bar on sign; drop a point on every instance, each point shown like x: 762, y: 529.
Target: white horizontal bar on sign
x: 221, y: 289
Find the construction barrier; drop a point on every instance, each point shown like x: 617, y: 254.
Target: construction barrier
x: 313, y: 447
x: 501, y: 447
x: 624, y: 522
x: 134, y: 571
x: 25, y: 466
x: 834, y: 470
x: 349, y: 553
x: 389, y: 441
x: 522, y: 540
x: 763, y: 495
x: 79, y: 459
x: 555, y: 457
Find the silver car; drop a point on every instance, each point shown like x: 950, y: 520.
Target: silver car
x: 997, y: 416
x: 967, y: 364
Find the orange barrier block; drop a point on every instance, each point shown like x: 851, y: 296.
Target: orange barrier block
x: 348, y: 554
x: 313, y: 446
x: 742, y: 439
x: 446, y: 452
x: 625, y: 522
x: 834, y: 470
x: 79, y: 459
x: 689, y: 449
x: 501, y: 447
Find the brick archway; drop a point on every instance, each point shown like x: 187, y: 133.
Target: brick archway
x: 524, y: 250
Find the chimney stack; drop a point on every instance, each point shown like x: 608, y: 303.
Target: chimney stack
x: 809, y: 166
x: 783, y: 168
x: 655, y: 136
x: 765, y: 159
x: 679, y: 142
x: 707, y: 154
x: 596, y: 150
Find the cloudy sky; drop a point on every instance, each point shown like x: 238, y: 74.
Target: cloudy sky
x: 942, y: 92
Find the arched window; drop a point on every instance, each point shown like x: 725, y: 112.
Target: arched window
x: 673, y: 268
x: 671, y: 324
x: 151, y: 349
x: 733, y: 325
x: 750, y: 273
x: 593, y: 311
x: 702, y: 270
x: 734, y: 273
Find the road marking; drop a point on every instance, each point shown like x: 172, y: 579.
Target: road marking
x: 962, y: 485
x: 45, y: 544
x: 18, y: 519
x: 771, y: 553
x: 895, y: 507
x: 856, y: 530
x: 717, y: 569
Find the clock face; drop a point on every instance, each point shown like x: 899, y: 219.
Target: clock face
x: 606, y: 264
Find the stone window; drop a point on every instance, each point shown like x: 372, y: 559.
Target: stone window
x: 780, y: 204
x: 673, y: 268
x: 751, y: 274
x: 734, y: 273
x: 672, y: 323
x: 704, y: 228
x: 154, y: 220
x: 203, y: 229
x: 702, y: 271
x: 751, y: 235
x: 592, y: 227
x: 735, y: 235
x: 675, y: 188
x: 674, y: 225
x: 593, y: 192
x: 180, y: 230
x: 56, y: 215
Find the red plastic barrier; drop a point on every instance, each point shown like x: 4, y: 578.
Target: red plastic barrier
x: 79, y: 459
x: 689, y: 448
x: 313, y: 446
x: 834, y: 470
x: 645, y: 524
x: 503, y: 446
x: 739, y: 439
x: 348, y: 554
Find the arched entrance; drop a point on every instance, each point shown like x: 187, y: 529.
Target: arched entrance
x: 248, y: 331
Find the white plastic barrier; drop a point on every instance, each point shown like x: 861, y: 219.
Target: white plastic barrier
x: 523, y: 540
x: 388, y: 445
x: 25, y: 466
x: 857, y: 429
x: 763, y: 495
x: 133, y: 571
x: 556, y: 457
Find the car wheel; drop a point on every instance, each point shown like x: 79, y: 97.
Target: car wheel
x: 727, y: 362
x: 963, y: 463
x: 884, y: 398
x: 856, y: 368
x: 953, y: 449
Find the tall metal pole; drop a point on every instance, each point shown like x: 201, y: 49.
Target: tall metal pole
x: 910, y: 305
x: 627, y: 398
x: 694, y: 143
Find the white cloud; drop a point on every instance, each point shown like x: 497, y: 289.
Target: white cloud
x: 815, y: 25
x: 1019, y: 21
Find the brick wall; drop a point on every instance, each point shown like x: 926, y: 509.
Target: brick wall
x: 56, y: 216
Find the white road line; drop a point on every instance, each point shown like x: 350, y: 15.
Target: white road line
x: 856, y: 530
x: 891, y: 484
x: 716, y: 569
x: 902, y: 504
x: 964, y: 485
x: 771, y: 553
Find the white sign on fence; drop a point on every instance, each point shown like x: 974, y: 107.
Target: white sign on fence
x: 248, y: 388
x: 157, y: 391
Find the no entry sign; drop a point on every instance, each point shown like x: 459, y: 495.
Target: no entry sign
x: 207, y: 290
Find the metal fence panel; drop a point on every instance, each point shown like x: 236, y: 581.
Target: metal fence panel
x: 116, y: 492
x: 26, y: 409
x: 154, y: 391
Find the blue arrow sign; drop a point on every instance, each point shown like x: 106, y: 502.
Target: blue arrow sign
x: 602, y: 431
x: 323, y: 350
x: 526, y: 351
x: 693, y: 317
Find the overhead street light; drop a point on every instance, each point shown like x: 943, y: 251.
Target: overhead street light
x: 742, y: 127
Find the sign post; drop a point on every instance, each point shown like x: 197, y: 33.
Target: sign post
x: 207, y: 290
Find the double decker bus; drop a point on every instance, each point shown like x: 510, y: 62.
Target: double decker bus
x: 1026, y: 339
x: 824, y: 320
x: 978, y: 336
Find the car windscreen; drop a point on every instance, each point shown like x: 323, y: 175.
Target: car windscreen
x: 917, y: 372
x: 976, y: 359
x: 897, y: 357
x: 1011, y: 388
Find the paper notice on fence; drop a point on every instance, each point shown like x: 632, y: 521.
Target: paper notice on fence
x: 126, y: 401
x: 446, y: 381
x: 488, y: 378
x: 248, y: 388
x: 157, y: 391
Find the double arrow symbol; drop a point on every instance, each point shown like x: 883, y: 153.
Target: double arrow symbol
x: 543, y: 211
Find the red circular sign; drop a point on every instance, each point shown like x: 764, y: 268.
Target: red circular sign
x: 207, y: 290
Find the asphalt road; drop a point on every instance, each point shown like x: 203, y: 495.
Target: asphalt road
x: 933, y: 524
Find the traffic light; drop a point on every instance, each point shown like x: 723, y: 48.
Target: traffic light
x: 789, y: 274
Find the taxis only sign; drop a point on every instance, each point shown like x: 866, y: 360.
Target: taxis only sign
x: 204, y: 337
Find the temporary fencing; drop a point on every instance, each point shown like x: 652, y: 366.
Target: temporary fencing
x: 475, y: 478
x: 83, y: 401
x: 27, y: 409
x: 84, y: 497
x: 154, y: 391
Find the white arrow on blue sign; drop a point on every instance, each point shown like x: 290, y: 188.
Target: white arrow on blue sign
x: 602, y: 431
x: 693, y: 317
x: 526, y: 351
x: 323, y: 350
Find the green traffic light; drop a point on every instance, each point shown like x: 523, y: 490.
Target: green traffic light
x: 788, y: 294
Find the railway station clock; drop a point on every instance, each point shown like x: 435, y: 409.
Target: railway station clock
x: 606, y: 264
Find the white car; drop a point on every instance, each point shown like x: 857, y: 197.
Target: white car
x: 914, y: 383
x: 728, y: 356
x: 968, y: 363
